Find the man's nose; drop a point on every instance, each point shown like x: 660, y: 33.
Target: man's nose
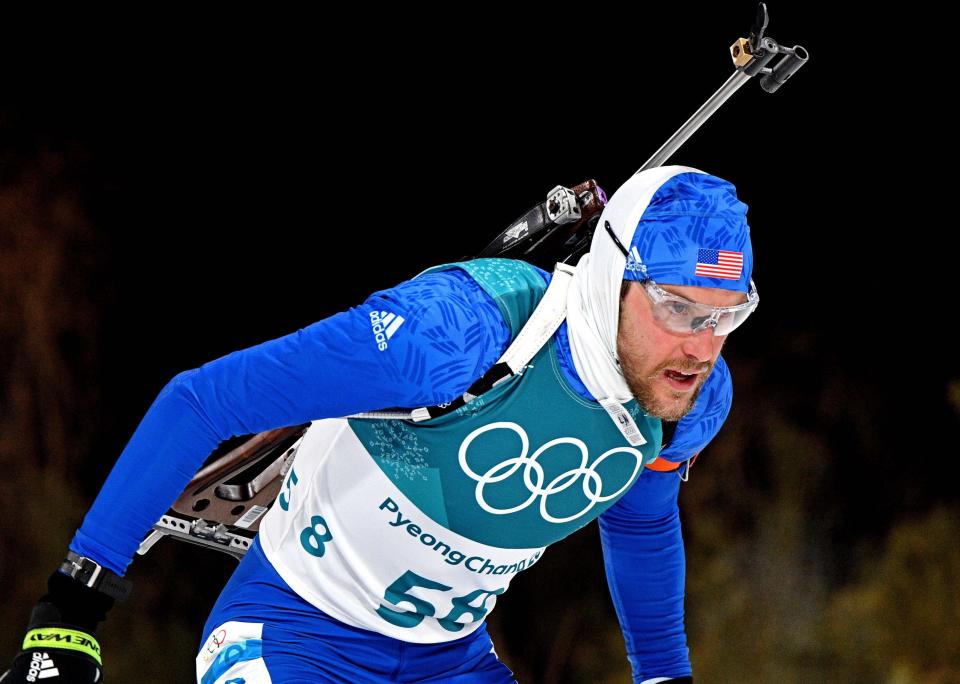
x: 700, y: 345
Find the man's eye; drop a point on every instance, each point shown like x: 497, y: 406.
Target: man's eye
x: 677, y: 308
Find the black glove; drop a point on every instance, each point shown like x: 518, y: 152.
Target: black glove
x: 60, y: 645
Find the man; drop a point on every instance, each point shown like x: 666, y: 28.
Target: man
x: 392, y: 539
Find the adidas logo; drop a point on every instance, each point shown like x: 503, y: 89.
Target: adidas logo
x: 634, y: 263
x: 385, y: 325
x: 41, y: 667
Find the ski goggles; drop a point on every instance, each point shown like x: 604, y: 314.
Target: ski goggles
x: 679, y: 315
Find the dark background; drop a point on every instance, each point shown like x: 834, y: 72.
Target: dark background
x: 170, y: 193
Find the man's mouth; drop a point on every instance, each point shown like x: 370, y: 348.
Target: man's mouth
x: 681, y: 380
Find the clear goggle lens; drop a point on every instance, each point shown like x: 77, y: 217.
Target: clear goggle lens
x: 685, y: 317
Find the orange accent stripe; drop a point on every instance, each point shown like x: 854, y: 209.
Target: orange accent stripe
x: 662, y: 465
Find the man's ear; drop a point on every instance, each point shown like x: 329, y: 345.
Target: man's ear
x: 624, y: 289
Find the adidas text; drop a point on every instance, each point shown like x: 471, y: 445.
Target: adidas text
x: 384, y: 325
x: 41, y: 667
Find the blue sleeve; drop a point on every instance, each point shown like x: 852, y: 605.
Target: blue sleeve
x: 643, y: 545
x: 645, y: 565
x: 420, y: 343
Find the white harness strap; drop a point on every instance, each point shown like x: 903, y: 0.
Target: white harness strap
x: 544, y: 321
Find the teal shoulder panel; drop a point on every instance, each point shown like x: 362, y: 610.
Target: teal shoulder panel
x: 514, y: 285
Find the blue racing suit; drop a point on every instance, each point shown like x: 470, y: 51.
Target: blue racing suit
x: 438, y: 332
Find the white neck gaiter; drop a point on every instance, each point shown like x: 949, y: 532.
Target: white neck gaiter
x: 593, y: 300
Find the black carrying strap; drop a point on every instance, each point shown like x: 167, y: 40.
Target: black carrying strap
x: 496, y: 374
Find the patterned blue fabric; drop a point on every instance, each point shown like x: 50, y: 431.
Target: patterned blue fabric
x: 690, y: 217
x: 450, y: 332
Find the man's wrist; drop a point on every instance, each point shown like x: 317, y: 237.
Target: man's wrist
x: 91, y: 574
x: 69, y: 602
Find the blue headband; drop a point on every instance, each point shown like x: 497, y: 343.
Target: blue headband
x: 693, y: 232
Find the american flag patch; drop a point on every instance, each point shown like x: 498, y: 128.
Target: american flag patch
x: 719, y: 263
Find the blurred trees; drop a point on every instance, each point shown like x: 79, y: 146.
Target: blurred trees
x: 52, y: 263
x: 900, y: 621
x: 49, y: 262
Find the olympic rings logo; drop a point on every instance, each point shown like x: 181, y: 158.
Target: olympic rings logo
x: 217, y: 639
x: 533, y: 475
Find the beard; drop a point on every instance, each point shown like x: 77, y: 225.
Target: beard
x: 665, y: 404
